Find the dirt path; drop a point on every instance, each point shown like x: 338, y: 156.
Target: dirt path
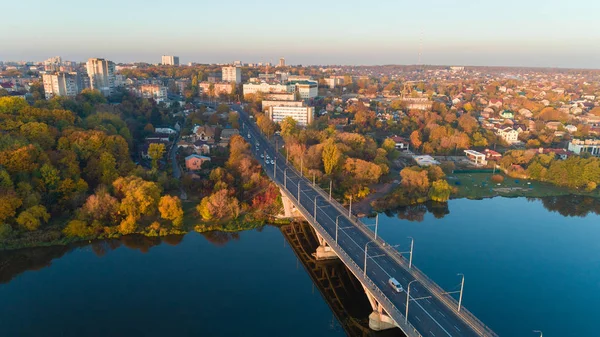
x: 379, y: 190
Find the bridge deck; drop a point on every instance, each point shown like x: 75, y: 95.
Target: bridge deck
x: 432, y: 312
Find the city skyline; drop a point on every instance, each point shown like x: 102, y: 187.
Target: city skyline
x: 532, y: 34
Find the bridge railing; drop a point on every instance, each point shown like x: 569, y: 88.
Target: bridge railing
x: 383, y: 300
x: 467, y: 317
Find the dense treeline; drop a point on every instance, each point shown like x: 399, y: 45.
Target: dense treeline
x: 574, y: 172
x: 69, y: 161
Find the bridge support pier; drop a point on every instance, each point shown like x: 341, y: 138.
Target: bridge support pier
x: 289, y: 210
x: 324, y: 252
x: 378, y: 319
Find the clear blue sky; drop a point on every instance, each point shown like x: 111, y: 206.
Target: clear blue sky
x: 546, y: 33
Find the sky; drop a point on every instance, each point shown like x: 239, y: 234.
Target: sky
x: 536, y: 33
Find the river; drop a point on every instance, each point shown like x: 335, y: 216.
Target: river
x: 526, y: 268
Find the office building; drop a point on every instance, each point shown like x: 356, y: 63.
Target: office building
x: 266, y: 104
x: 231, y: 74
x: 591, y: 146
x: 102, y: 75
x: 252, y: 88
x: 61, y: 84
x: 305, y: 89
x: 282, y: 62
x: 303, y: 114
x: 170, y: 60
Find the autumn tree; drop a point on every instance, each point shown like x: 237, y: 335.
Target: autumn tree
x: 440, y: 191
x: 156, y: 152
x: 415, y: 139
x: 138, y: 197
x: 32, y: 218
x: 289, y: 126
x: 170, y: 209
x: 219, y: 206
x: 331, y: 156
x: 415, y: 180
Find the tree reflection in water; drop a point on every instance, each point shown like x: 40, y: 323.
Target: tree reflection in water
x: 15, y: 262
x: 571, y: 205
x: 219, y: 238
x: 417, y: 212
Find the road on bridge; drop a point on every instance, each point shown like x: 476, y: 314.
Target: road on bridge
x: 427, y: 313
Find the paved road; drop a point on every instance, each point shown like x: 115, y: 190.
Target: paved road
x: 427, y: 314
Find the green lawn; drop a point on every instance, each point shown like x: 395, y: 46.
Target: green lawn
x: 478, y: 185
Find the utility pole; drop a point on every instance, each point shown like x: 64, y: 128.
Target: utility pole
x: 330, y: 187
x: 365, y: 265
x: 407, y: 299
x: 313, y: 179
x: 301, y: 165
x: 462, y: 286
x: 275, y: 167
x: 412, y: 244
x: 298, y: 191
x: 285, y: 178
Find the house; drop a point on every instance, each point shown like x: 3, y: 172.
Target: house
x: 477, y: 158
x: 571, y: 128
x: 167, y: 131
x: 497, y: 103
x: 525, y: 113
x: 194, y: 162
x: 553, y: 125
x: 205, y: 133
x: 507, y: 114
x: 401, y: 143
x: 492, y: 155
x: 509, y: 135
x: 425, y: 160
x: 226, y: 134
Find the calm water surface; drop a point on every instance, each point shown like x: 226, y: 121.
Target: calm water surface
x: 526, y: 268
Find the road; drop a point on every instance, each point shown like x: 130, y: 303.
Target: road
x: 429, y: 315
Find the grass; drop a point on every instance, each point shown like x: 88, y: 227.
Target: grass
x: 479, y: 186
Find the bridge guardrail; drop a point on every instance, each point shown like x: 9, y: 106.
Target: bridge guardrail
x: 467, y: 317
x: 390, y: 308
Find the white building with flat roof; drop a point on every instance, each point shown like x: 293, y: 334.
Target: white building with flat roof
x: 591, y: 146
x: 304, y: 115
x: 306, y: 89
x: 253, y: 88
x: 231, y: 74
x: 102, y: 75
x: 266, y: 104
x: 168, y: 60
x: 61, y: 84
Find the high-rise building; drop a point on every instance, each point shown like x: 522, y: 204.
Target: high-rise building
x: 231, y: 74
x: 170, y: 60
x: 61, y: 84
x: 282, y: 62
x: 304, y: 115
x: 102, y: 75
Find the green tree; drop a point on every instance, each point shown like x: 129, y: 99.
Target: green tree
x: 289, y: 127
x: 32, y: 218
x: 156, y: 152
x: 331, y: 156
x: 440, y: 191
x: 108, y: 168
x: 9, y: 202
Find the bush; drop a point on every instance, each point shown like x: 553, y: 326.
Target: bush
x: 497, y: 178
x: 77, y: 228
x: 6, y: 231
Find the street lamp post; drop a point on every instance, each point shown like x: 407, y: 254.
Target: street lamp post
x: 462, y: 286
x: 285, y: 177
x: 275, y: 167
x: 313, y: 179
x: 330, y: 187
x: 337, y: 227
x: 298, y: 191
x: 301, y: 165
x: 365, y: 266
x: 412, y: 244
x: 407, y: 300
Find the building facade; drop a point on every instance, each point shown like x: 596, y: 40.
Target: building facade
x: 231, y: 74
x: 102, y: 75
x: 153, y: 91
x: 61, y: 84
x: 510, y: 135
x: 253, y: 88
x: 304, y: 115
x: 266, y: 104
x: 168, y: 60
x: 591, y: 146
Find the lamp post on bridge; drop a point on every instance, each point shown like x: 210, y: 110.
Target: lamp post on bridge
x: 350, y: 209
x: 298, y: 191
x: 285, y: 177
x: 407, y: 300
x: 275, y: 167
x: 366, y: 253
x: 462, y: 286
x: 412, y: 244
x: 330, y: 188
x: 376, y: 223
x: 541, y: 334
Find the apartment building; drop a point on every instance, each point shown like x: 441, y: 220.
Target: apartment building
x: 231, y: 74
x: 102, y: 75
x: 168, y: 60
x: 304, y: 115
x: 61, y: 84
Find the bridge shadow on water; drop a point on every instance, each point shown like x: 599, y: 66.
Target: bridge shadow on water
x: 341, y: 290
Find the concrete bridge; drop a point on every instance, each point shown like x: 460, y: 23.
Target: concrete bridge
x: 422, y: 309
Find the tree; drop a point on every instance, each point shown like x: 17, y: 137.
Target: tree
x: 108, y: 168
x: 415, y: 180
x: 9, y: 202
x: 156, y: 152
x: 138, y: 197
x: 440, y: 191
x: 415, y: 139
x: 31, y: 219
x: 170, y: 209
x: 289, y: 126
x: 77, y: 228
x: 219, y: 206
x: 331, y: 156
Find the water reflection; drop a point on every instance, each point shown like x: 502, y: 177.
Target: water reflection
x: 417, y: 212
x: 341, y: 290
x: 15, y: 262
x: 571, y: 205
